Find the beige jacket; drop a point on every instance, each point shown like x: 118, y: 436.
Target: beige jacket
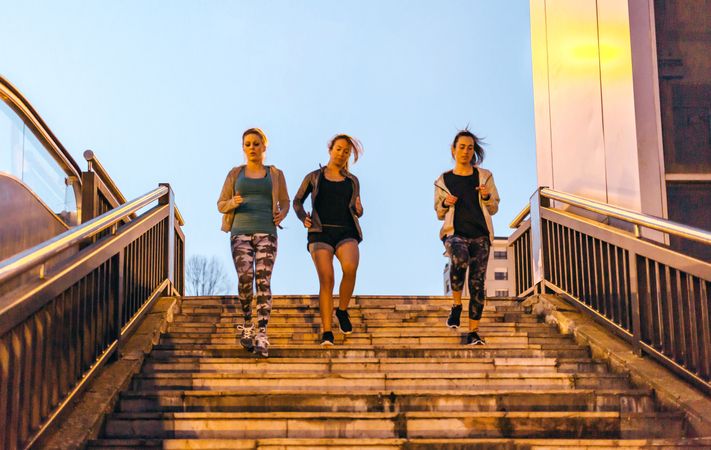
x: 488, y: 207
x: 226, y: 204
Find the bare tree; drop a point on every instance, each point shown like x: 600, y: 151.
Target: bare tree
x: 205, y: 276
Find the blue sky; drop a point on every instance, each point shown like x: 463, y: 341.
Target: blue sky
x: 162, y: 90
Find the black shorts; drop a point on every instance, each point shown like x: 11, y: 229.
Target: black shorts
x: 331, y: 238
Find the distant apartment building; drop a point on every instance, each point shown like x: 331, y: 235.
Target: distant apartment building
x: 499, y: 274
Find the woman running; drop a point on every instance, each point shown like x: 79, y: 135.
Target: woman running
x: 333, y: 228
x: 253, y: 202
x: 466, y: 198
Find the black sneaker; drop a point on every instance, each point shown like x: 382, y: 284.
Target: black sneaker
x: 327, y: 339
x: 344, y: 321
x: 473, y: 338
x: 454, y: 314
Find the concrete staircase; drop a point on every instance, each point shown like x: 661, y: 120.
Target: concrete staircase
x: 402, y: 380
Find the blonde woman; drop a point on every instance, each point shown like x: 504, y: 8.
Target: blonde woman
x: 254, y: 201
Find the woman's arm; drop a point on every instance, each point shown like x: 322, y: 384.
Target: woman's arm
x: 440, y: 195
x: 492, y: 202
x: 284, y: 202
x: 301, y: 194
x: 227, y: 201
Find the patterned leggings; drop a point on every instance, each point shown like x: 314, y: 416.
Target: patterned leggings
x: 255, y: 254
x: 473, y: 254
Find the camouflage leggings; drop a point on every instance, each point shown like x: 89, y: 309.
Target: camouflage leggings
x: 473, y: 254
x: 255, y: 253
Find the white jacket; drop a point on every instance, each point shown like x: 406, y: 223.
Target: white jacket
x: 488, y: 207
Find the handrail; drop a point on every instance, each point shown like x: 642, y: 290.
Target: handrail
x: 96, y: 166
x: 520, y: 216
x: 42, y: 252
x: 635, y: 218
x: 23, y: 107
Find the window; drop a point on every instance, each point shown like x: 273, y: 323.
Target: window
x: 24, y: 157
x: 500, y: 254
x: 501, y: 275
x: 502, y: 293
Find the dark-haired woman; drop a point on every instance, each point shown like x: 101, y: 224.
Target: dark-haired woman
x: 333, y: 228
x: 465, y: 199
x: 254, y: 201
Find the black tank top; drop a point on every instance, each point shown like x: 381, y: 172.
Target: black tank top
x: 333, y: 202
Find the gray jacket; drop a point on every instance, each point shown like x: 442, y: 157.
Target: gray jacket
x: 488, y: 207
x: 310, y: 185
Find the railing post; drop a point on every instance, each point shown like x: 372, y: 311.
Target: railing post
x: 89, y: 197
x: 169, y: 200
x: 537, y: 254
x: 119, y: 294
x: 634, y: 298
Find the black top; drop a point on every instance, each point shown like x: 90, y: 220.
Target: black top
x: 333, y: 202
x: 469, y: 221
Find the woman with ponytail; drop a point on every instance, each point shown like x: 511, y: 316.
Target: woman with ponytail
x: 333, y: 228
x: 465, y: 199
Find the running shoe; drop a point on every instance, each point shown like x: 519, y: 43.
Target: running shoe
x: 454, y: 315
x: 261, y: 345
x: 247, y: 337
x: 473, y: 338
x: 327, y: 339
x: 344, y: 321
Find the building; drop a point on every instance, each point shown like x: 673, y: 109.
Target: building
x: 622, y: 94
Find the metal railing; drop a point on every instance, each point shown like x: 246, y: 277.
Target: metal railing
x: 102, y: 193
x: 56, y: 332
x: 655, y: 298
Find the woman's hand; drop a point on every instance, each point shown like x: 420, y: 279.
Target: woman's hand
x: 358, y: 206
x: 237, y: 200
x: 307, y: 221
x: 450, y: 200
x: 483, y: 191
x: 278, y: 217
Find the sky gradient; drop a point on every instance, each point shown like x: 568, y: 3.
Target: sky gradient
x: 161, y: 92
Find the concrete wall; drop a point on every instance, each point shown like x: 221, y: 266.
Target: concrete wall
x: 596, y: 133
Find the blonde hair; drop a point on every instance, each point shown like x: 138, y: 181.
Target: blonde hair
x: 258, y: 132
x: 262, y: 136
x: 356, y: 146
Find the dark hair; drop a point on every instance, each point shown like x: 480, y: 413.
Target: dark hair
x: 258, y: 132
x: 478, y: 149
x: 356, y: 146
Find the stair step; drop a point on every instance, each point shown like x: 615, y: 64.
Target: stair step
x: 345, y: 400
x: 370, y: 339
x: 391, y: 365
x: 400, y: 444
x: 391, y: 425
x: 316, y: 351
x: 377, y: 381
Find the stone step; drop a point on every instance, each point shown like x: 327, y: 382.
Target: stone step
x: 358, y: 338
x: 355, y: 301
x: 342, y: 400
x: 390, y: 318
x: 370, y: 365
x: 371, y: 310
x: 400, y: 444
x: 484, y: 326
x: 392, y: 425
x: 425, y: 332
x: 165, y: 351
x: 272, y: 382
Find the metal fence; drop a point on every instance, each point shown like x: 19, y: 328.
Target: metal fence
x: 655, y: 298
x: 57, y: 331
